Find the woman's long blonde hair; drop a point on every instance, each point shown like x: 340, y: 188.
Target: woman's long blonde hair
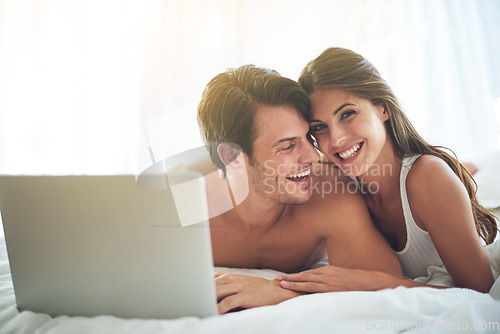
x: 347, y: 70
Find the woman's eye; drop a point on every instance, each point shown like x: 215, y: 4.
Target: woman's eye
x: 347, y: 114
x: 317, y: 127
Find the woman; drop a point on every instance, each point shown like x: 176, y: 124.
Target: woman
x: 421, y: 198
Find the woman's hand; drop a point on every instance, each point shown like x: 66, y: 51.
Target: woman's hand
x: 332, y: 279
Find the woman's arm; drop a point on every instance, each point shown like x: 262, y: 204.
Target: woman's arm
x: 335, y: 279
x: 441, y: 206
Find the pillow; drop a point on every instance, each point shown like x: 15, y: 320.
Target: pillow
x: 488, y: 181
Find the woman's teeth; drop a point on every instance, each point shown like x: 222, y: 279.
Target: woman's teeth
x: 350, y: 152
x: 299, y: 176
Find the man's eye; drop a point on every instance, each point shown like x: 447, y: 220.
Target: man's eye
x: 317, y: 127
x: 289, y: 147
x: 347, y: 114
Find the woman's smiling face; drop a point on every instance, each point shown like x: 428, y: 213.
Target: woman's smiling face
x: 349, y: 130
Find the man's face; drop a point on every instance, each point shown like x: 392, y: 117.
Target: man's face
x: 279, y: 168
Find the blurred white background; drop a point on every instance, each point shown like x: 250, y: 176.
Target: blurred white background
x: 81, y: 81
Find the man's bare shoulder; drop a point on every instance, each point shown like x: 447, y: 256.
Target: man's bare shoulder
x: 329, y: 185
x: 337, y: 209
x: 334, y: 194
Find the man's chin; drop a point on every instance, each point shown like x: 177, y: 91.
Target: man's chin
x: 297, y: 202
x: 297, y: 198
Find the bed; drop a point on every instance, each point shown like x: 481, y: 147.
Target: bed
x: 388, y: 311
x: 400, y: 310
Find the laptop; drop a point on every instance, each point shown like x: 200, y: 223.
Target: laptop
x: 107, y: 245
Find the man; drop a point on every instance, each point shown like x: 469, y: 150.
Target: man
x: 253, y: 123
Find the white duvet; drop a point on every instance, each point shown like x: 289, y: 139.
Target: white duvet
x: 389, y: 311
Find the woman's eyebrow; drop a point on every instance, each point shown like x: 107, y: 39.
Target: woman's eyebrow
x: 334, y: 113
x: 341, y: 107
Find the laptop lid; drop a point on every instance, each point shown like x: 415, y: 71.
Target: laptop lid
x: 94, y: 245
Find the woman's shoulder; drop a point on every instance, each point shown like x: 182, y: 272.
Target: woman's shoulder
x: 431, y: 177
x: 427, y: 163
x: 427, y: 168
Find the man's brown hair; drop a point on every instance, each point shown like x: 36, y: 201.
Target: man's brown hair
x: 226, y: 113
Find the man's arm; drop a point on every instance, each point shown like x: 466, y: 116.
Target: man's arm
x: 352, y: 239
x: 360, y: 258
x: 241, y: 292
x: 352, y: 242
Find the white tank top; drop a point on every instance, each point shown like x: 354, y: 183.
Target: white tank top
x: 419, y: 252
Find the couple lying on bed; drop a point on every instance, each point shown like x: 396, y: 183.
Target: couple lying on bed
x: 384, y: 195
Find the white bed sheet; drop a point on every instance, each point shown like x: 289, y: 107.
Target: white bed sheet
x: 388, y: 311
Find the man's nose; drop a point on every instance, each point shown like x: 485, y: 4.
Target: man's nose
x: 309, y: 155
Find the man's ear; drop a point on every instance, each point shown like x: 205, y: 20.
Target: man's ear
x: 228, y: 154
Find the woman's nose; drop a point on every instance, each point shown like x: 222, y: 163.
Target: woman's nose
x: 336, y: 136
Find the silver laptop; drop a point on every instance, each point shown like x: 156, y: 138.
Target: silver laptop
x: 106, y: 245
